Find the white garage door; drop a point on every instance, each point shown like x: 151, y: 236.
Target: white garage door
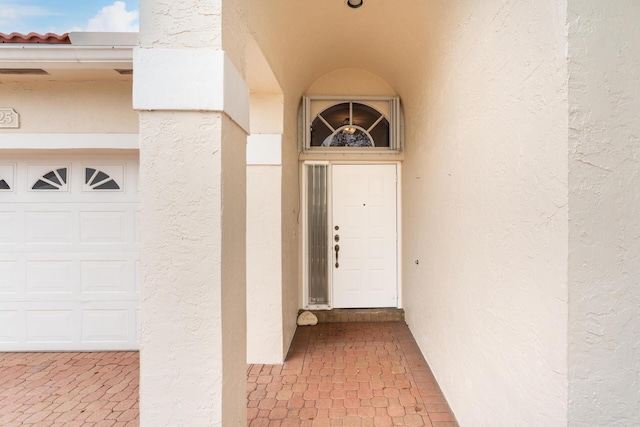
x: 68, y: 252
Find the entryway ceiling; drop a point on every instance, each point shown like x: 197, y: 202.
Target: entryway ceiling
x: 303, y: 40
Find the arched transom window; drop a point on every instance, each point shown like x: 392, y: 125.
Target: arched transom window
x: 351, y: 124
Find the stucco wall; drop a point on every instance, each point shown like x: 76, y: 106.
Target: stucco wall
x: 47, y: 105
x: 270, y: 320
x: 485, y: 209
x: 604, y: 208
x: 168, y: 23
x: 233, y: 294
x: 193, y: 269
x: 264, y: 266
x: 180, y: 278
x: 193, y: 241
x: 350, y: 82
x: 265, y: 336
x: 290, y: 205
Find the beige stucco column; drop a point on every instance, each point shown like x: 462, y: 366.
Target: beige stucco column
x: 193, y: 105
x: 265, y: 339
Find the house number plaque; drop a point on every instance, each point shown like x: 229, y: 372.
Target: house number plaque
x: 9, y: 118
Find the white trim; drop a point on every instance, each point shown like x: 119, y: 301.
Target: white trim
x: 65, y: 346
x: 43, y: 141
x: 88, y: 50
x: 18, y: 55
x: 345, y: 98
x: 306, y: 112
x: 304, y: 295
x: 330, y: 234
x: 236, y: 95
x: 189, y: 80
x: 97, y: 38
x: 399, y: 230
x: 302, y: 194
x: 264, y: 149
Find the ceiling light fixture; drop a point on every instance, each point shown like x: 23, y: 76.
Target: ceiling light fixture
x: 354, y: 4
x: 349, y: 129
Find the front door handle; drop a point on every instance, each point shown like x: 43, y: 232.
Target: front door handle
x: 337, y: 248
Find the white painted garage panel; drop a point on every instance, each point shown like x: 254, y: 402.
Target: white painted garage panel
x: 69, y: 252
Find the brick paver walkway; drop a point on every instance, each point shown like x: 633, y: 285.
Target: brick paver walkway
x: 336, y: 374
x: 348, y: 374
x: 69, y: 389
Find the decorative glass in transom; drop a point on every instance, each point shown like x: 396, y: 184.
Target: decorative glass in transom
x: 350, y: 124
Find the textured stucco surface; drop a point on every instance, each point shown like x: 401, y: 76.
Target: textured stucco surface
x: 180, y: 269
x: 63, y: 106
x: 604, y: 213
x: 265, y: 337
x: 193, y: 237
x: 485, y: 210
x: 233, y: 254
x: 264, y: 266
x: 350, y: 82
x: 180, y: 24
x: 192, y: 265
x: 266, y: 112
x: 290, y: 232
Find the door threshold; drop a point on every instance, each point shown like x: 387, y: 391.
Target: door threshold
x: 359, y: 315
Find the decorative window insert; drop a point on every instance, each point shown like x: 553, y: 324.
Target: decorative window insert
x: 6, y: 177
x: 95, y: 179
x: 316, y: 237
x: 351, y: 124
x: 52, y: 180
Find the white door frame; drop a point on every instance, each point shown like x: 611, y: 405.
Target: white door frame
x: 304, y: 195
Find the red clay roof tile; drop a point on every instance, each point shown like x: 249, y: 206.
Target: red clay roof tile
x: 35, y: 38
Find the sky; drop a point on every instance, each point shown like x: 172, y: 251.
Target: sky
x: 61, y: 16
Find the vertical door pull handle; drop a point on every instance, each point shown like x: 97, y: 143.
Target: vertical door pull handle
x: 337, y: 248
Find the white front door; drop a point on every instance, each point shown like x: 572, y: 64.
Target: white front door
x: 364, y: 236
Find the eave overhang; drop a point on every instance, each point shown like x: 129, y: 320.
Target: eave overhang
x: 86, y: 51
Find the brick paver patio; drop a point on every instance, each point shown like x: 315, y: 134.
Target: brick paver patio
x: 348, y: 374
x: 69, y: 389
x: 336, y: 374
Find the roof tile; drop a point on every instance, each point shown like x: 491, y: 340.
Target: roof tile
x: 35, y: 38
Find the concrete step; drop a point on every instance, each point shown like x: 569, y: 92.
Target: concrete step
x: 359, y: 315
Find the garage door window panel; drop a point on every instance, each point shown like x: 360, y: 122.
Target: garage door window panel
x: 103, y: 178
x: 7, y: 174
x: 55, y: 179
